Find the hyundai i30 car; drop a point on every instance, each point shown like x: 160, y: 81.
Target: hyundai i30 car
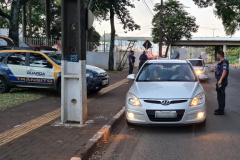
x: 165, y: 92
x: 199, y: 67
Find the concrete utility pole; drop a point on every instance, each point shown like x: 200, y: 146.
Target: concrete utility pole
x: 160, y: 30
x: 73, y: 78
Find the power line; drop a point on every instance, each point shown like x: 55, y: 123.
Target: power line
x: 144, y: 2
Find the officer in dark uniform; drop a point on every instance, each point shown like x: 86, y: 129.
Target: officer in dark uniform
x: 221, y: 75
x: 131, y: 60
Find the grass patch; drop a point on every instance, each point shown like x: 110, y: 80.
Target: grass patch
x: 18, y: 96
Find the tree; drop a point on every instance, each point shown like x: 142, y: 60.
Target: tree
x: 227, y: 10
x: 177, y: 23
x: 210, y: 51
x: 13, y: 19
x: 108, y: 9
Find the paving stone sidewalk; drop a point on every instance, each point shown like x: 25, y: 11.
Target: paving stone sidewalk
x: 57, y: 142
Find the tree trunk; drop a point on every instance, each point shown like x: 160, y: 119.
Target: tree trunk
x: 111, y: 51
x: 24, y: 20
x: 47, y: 12
x: 167, y: 50
x: 30, y: 18
x: 14, y: 22
x: 89, y: 39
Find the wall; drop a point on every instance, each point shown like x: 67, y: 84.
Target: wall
x: 100, y: 59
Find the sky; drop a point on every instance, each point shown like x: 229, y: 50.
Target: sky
x: 209, y: 24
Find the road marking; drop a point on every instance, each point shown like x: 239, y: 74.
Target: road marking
x: 27, y: 127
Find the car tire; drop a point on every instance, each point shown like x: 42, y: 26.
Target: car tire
x: 4, y: 88
x: 96, y: 90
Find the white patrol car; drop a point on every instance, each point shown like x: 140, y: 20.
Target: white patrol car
x: 28, y: 68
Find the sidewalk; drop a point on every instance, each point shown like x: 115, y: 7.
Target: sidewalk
x: 57, y: 142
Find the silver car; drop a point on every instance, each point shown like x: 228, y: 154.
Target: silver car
x: 165, y: 92
x: 199, y: 67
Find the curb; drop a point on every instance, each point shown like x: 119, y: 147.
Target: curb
x: 87, y: 150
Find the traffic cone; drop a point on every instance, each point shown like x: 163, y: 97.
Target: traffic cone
x: 235, y: 66
x: 212, y: 69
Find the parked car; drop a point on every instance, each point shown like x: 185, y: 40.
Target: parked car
x: 166, y: 92
x: 28, y: 68
x: 200, y: 68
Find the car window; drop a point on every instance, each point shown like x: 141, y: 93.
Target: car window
x: 17, y: 58
x: 38, y: 60
x: 166, y: 72
x: 3, y: 56
x: 196, y: 62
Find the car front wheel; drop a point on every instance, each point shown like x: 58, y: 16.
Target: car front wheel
x: 4, y: 88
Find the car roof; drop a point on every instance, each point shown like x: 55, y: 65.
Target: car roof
x: 195, y: 59
x: 167, y: 61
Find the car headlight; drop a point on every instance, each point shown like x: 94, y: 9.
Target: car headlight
x: 133, y: 100
x: 198, y: 72
x: 90, y: 75
x: 199, y: 99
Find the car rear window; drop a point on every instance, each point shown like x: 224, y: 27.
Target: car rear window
x: 2, y: 56
x: 166, y: 72
x: 196, y: 62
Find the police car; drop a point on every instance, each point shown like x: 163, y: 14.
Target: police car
x: 29, y: 68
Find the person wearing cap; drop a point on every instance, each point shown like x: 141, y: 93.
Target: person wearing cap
x: 142, y: 59
x: 131, y: 59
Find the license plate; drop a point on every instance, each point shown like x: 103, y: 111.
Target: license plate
x: 104, y: 82
x: 165, y: 114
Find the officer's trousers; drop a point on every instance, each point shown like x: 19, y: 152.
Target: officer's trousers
x: 130, y: 68
x: 221, y: 96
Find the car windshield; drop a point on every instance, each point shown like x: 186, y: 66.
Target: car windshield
x: 55, y: 58
x: 196, y: 62
x: 166, y: 72
x: 2, y: 56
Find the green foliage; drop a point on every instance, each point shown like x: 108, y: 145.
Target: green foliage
x: 177, y: 23
x: 232, y: 55
x: 101, y: 9
x: 4, y: 6
x: 227, y: 10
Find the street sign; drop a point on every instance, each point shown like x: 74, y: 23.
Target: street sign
x: 147, y: 44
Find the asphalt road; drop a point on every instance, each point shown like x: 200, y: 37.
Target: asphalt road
x: 218, y: 140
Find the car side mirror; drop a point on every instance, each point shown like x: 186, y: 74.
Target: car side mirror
x: 131, y: 76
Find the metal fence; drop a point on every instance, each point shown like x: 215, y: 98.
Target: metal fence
x: 40, y: 41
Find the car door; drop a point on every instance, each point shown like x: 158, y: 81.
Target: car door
x: 40, y: 71
x: 16, y: 67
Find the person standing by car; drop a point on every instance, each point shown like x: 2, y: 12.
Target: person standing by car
x: 142, y: 59
x: 221, y: 74
x: 131, y: 59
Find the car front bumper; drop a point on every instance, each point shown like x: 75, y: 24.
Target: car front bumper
x: 97, y: 83
x: 203, y: 77
x: 146, y: 113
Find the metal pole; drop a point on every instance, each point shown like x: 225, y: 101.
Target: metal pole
x: 160, y: 30
x: 104, y: 41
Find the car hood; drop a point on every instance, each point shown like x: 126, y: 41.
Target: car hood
x: 166, y: 90
x: 95, y: 69
x: 197, y: 68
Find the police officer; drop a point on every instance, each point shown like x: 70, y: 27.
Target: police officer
x: 131, y: 59
x: 142, y: 59
x: 221, y: 75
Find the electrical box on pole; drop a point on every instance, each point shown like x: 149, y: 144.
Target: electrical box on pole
x: 73, y: 76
